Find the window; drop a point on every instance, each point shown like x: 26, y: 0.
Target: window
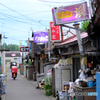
x: 15, y: 58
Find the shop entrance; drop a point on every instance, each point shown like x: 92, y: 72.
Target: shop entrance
x: 65, y: 76
x: 76, y: 68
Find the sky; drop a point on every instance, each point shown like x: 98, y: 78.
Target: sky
x: 18, y: 18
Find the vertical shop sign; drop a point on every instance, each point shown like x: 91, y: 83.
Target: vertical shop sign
x: 54, y: 32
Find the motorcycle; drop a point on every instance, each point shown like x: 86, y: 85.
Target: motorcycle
x: 14, y: 72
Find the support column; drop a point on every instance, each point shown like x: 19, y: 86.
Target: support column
x: 79, y: 39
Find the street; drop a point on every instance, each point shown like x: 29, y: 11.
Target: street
x: 22, y: 89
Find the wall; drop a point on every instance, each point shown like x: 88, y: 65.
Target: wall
x: 41, y: 66
x: 9, y: 59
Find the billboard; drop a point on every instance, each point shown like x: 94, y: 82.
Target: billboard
x: 40, y: 37
x: 68, y: 14
x: 54, y: 32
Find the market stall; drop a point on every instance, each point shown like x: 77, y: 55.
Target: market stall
x: 85, y: 86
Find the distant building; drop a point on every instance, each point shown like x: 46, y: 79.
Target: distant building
x: 10, y: 56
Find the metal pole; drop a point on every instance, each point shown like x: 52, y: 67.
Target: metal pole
x: 79, y: 39
x: 49, y: 44
x: 4, y: 51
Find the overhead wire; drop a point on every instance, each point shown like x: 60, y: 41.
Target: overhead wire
x: 58, y: 2
x: 38, y: 12
x: 10, y: 38
x: 12, y: 28
x: 16, y: 19
x: 19, y: 13
x: 13, y: 18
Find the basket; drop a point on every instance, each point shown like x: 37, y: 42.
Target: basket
x: 83, y: 83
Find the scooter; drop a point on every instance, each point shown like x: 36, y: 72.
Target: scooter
x: 14, y: 72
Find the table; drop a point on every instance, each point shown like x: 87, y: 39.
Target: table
x: 78, y: 88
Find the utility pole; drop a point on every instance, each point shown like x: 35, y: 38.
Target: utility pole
x: 49, y: 43
x: 3, y: 53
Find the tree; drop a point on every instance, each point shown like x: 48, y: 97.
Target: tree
x: 84, y: 25
x: 12, y: 47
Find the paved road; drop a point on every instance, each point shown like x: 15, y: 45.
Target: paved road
x: 22, y: 89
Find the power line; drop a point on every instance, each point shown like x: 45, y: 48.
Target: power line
x: 58, y: 2
x: 14, y: 19
x: 38, y: 12
x: 12, y: 16
x: 14, y: 39
x: 14, y: 11
x: 18, y: 13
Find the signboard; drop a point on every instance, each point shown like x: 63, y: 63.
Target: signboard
x: 24, y: 49
x: 40, y: 37
x: 13, y: 55
x: 54, y: 32
x: 68, y: 14
x: 23, y: 43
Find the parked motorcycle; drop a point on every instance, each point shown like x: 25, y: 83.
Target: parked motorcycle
x: 14, y: 72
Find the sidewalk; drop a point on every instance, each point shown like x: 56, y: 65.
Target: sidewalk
x: 35, y: 84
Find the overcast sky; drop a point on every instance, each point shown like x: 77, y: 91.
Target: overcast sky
x: 19, y: 17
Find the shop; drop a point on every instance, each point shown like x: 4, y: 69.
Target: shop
x: 83, y: 69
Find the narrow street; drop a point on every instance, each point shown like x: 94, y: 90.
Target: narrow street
x: 22, y: 89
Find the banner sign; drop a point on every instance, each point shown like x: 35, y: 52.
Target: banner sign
x: 54, y: 32
x: 24, y: 49
x: 40, y: 37
x: 68, y: 14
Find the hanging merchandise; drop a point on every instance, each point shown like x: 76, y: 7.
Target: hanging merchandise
x: 82, y: 76
x: 71, y: 87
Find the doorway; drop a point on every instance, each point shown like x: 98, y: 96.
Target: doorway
x: 76, y: 68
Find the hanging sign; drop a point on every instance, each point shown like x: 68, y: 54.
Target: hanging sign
x: 40, y: 37
x: 68, y: 14
x: 54, y: 32
x: 24, y: 49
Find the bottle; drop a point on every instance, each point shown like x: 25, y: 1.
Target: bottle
x: 57, y: 96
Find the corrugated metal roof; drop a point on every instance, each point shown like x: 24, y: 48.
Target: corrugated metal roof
x: 74, y: 38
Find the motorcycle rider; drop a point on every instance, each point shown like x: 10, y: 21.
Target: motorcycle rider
x: 14, y: 70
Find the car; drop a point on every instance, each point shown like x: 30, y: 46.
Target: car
x: 13, y: 64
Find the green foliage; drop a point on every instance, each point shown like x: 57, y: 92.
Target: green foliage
x: 22, y: 62
x: 48, y: 87
x: 30, y: 62
x: 48, y: 80
x: 84, y: 25
x: 12, y: 47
